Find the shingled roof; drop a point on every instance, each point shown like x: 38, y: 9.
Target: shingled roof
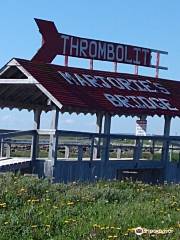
x: 37, y: 84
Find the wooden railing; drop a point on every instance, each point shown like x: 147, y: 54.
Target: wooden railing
x: 73, y: 145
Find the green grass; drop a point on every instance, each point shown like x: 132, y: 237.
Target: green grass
x: 36, y: 209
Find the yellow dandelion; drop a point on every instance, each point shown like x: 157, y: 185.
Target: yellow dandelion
x: 34, y: 200
x: 102, y: 228
x: 112, y: 236
x: 34, y: 226
x: 22, y: 190
x: 3, y: 205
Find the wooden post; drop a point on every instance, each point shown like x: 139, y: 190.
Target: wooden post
x: 139, y: 144
x: 107, y: 130
x: 8, y: 150
x: 118, y: 153
x: 35, y: 138
x: 80, y: 153
x: 2, y: 147
x: 99, y: 119
x: 167, y: 125
x: 92, y: 149
x: 106, y: 142
x: 66, y: 153
x: 165, y: 152
x: 53, y: 141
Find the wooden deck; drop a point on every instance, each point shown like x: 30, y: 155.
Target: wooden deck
x: 12, y: 164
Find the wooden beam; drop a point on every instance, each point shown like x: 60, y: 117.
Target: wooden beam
x: 106, y: 143
x: 106, y: 140
x: 165, y: 151
x: 53, y: 141
x: 35, y: 138
x: 167, y: 126
x: 99, y: 120
x: 17, y: 81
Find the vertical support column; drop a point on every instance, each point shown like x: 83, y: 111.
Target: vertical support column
x: 91, y: 64
x: 66, y: 61
x: 136, y: 70
x: 35, y: 139
x: 106, y: 142
x: 53, y: 141
x: 96, y: 152
x: 115, y: 66
x: 8, y: 150
x: 2, y: 147
x: 139, y: 142
x: 66, y: 154
x: 165, y: 152
x: 107, y: 130
x: 157, y: 64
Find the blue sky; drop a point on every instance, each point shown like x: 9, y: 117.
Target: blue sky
x: 153, y: 24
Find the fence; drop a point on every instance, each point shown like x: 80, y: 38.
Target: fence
x: 89, y: 151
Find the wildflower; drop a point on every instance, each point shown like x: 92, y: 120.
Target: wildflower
x: 70, y: 203
x: 112, y: 236
x: 34, y: 200
x: 5, y: 223
x: 2, y: 205
x: 96, y: 226
x: 173, y: 204
x: 48, y: 226
x: 34, y: 226
x: 22, y: 190
x: 118, y: 228
x: 131, y: 229
x: 55, y: 207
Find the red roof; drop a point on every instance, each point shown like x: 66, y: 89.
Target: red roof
x: 82, y: 90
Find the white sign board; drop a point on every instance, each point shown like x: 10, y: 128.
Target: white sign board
x: 141, y: 127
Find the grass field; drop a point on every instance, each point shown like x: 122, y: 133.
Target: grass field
x: 38, y: 210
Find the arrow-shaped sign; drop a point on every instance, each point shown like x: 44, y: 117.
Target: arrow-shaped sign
x: 55, y: 43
